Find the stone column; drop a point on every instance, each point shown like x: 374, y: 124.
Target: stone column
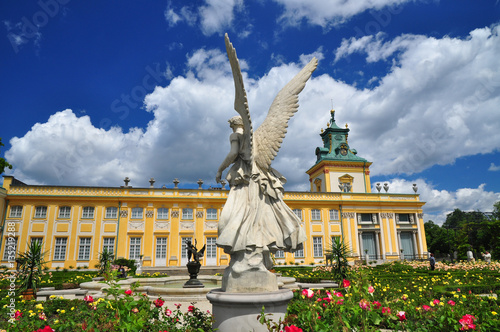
x: 415, y: 250
x: 360, y: 243
x: 399, y: 245
x: 377, y: 243
x: 382, y: 238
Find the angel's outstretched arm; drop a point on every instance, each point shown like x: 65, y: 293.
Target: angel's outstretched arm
x: 231, y: 156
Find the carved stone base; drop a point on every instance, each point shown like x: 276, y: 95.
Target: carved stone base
x: 235, y: 312
x: 247, y: 273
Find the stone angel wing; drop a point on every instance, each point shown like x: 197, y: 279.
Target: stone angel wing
x: 240, y: 98
x: 268, y: 137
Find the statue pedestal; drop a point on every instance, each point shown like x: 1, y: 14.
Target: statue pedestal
x: 235, y: 312
x: 193, y: 282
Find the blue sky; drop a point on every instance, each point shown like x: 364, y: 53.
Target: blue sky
x: 94, y: 92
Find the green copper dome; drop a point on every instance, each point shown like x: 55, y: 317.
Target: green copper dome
x: 335, y: 146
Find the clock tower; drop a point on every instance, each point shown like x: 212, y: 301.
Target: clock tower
x: 338, y: 168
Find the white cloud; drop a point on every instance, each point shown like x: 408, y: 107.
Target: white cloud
x: 214, y: 16
x: 437, y: 104
x: 441, y: 202
x: 374, y: 46
x: 218, y: 15
x: 335, y: 12
x: 494, y: 168
x: 68, y: 149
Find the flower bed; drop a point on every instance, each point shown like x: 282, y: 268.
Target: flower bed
x: 399, y: 296
x: 123, y: 310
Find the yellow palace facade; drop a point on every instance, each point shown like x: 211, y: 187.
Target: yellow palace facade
x: 152, y: 224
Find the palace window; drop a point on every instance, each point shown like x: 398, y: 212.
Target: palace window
x: 298, y: 213
x: 108, y: 244
x: 299, y: 253
x: 317, y: 246
x: 334, y: 214
x: 187, y: 214
x: 10, y: 249
x: 367, y: 218
x: 16, y: 211
x: 84, y: 248
x: 111, y: 212
x: 60, y: 248
x: 403, y: 218
x: 211, y: 247
x: 37, y: 239
x: 211, y: 214
x: 135, y: 248
x: 88, y: 212
x: 137, y: 213
x: 279, y: 254
x: 162, y: 213
x: 64, y: 211
x: 161, y: 247
x: 315, y: 214
x: 41, y: 212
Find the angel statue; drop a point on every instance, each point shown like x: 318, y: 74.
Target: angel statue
x: 255, y: 220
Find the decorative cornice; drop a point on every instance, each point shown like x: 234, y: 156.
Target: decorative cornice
x: 174, y: 213
x: 162, y: 225
x: 187, y: 225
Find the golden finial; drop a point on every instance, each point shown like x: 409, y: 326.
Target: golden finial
x: 346, y: 125
x: 332, y: 111
x: 328, y: 125
x: 321, y: 130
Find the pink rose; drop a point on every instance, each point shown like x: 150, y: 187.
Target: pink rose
x: 88, y: 298
x: 451, y: 302
x: 158, y: 302
x: 371, y: 289
x: 377, y: 304
x: 128, y: 292
x: 293, y: 328
x: 168, y: 312
x: 364, y: 304
x: 307, y: 292
x: 401, y: 315
x: 426, y: 307
x: 190, y: 308
x: 386, y: 310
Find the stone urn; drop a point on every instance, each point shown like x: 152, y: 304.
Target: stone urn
x: 193, y: 269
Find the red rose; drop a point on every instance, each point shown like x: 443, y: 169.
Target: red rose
x: 346, y: 283
x: 128, y: 292
x: 293, y: 328
x: 190, y: 308
x: 159, y: 302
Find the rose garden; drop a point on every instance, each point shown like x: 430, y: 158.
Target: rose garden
x: 398, y: 296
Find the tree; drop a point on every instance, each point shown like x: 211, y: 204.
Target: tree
x: 438, y: 238
x: 496, y: 210
x: 3, y: 163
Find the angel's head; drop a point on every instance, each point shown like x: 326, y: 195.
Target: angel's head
x: 235, y: 121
